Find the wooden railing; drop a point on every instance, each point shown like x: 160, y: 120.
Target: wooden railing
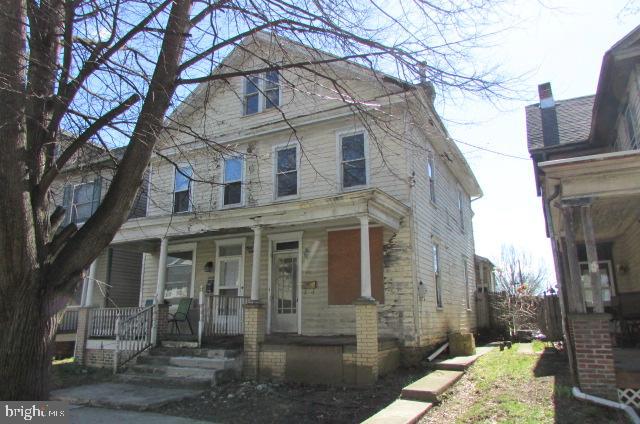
x: 133, y: 336
x: 69, y: 322
x: 103, y: 320
x: 221, y: 315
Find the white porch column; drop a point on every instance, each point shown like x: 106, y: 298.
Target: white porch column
x: 162, y: 270
x: 255, y: 266
x: 365, y: 262
x: 90, y: 282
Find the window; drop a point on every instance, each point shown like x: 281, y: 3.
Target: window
x: 431, y: 174
x: 229, y: 266
x: 82, y: 206
x: 631, y: 117
x: 461, y: 208
x: 179, y: 271
x: 605, y: 282
x: 352, y: 162
x: 232, y: 188
x: 182, y: 189
x: 287, y: 171
x: 261, y: 92
x: 465, y: 275
x: 436, y: 274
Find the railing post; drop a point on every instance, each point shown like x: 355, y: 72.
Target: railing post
x: 116, y: 351
x: 201, y: 316
x: 154, y: 325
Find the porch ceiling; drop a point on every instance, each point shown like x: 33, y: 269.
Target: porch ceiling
x: 379, y: 206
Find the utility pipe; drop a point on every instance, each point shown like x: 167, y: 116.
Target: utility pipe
x: 606, y: 402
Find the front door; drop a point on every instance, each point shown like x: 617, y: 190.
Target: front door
x: 284, y: 297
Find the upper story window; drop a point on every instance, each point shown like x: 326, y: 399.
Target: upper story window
x: 232, y: 188
x: 631, y: 117
x: 431, y: 175
x: 261, y: 92
x: 436, y: 274
x: 465, y: 275
x: 182, y: 189
x: 461, y: 208
x: 353, y: 163
x: 286, y: 171
x: 81, y: 200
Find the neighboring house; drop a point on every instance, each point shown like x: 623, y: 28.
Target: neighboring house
x: 485, y: 285
x: 587, y: 167
x: 352, y: 235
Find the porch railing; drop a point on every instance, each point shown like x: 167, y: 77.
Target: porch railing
x: 221, y: 315
x: 103, y: 320
x: 133, y: 336
x: 69, y: 322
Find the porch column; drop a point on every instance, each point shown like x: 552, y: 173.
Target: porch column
x: 162, y: 271
x: 365, y: 261
x: 255, y: 267
x: 90, y: 282
x: 592, y: 258
x: 575, y: 298
x: 366, y: 358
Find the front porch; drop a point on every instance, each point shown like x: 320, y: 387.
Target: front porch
x: 264, y: 276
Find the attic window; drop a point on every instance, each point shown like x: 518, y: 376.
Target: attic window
x: 261, y: 92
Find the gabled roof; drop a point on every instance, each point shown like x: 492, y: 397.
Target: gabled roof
x: 574, y: 121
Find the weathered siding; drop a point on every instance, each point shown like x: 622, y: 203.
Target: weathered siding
x: 626, y: 250
x: 622, y: 141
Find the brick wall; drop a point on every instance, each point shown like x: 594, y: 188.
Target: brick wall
x: 366, y: 342
x: 594, y: 356
x: 99, y: 358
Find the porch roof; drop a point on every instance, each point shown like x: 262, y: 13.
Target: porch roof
x: 378, y: 205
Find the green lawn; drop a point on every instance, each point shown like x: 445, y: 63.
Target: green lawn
x: 512, y: 387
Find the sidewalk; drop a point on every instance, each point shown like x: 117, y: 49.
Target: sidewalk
x: 90, y: 415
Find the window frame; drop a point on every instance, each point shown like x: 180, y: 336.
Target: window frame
x: 435, y: 250
x: 631, y: 126
x: 242, y: 242
x: 276, y: 149
x: 365, y: 140
x: 465, y: 275
x: 586, y: 285
x: 261, y: 93
x: 74, y: 209
x: 224, y: 183
x: 173, y: 193
x: 431, y: 177
x: 461, y: 204
x: 184, y: 247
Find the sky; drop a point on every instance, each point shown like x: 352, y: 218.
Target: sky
x: 563, y: 46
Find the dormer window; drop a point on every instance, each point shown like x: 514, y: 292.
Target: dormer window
x: 261, y: 92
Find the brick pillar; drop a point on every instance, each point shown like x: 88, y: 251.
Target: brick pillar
x: 594, y: 356
x: 161, y: 318
x: 254, y: 330
x: 366, y: 341
x: 82, y: 334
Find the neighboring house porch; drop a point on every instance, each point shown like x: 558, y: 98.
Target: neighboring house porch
x: 286, y: 277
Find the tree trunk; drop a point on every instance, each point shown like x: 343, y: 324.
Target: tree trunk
x: 27, y: 343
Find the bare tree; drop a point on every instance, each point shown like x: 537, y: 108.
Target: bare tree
x: 108, y: 73
x: 519, y: 282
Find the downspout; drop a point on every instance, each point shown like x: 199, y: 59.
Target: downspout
x: 633, y: 416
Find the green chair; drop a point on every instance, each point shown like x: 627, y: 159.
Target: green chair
x: 182, y: 314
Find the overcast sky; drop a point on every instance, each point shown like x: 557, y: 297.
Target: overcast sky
x: 562, y: 46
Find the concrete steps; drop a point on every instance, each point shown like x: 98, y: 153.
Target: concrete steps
x: 461, y: 363
x: 430, y: 387
x: 401, y: 411
x: 179, y: 366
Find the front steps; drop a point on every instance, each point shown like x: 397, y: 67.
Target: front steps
x: 178, y: 364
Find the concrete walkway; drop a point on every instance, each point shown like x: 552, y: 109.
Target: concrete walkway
x: 87, y: 415
x: 119, y: 395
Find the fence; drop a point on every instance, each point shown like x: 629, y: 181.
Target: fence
x: 103, y: 320
x: 133, y: 336
x: 222, y: 315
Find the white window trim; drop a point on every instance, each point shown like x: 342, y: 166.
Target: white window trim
x: 173, y: 191
x: 221, y: 204
x: 436, y: 255
x: 74, y: 209
x: 461, y: 205
x: 186, y: 247
x: 346, y: 133
x: 262, y: 98
x: 276, y: 238
x: 467, y: 282
x: 230, y: 242
x: 274, y: 154
x: 431, y: 163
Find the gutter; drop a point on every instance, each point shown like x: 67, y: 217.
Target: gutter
x: 578, y: 394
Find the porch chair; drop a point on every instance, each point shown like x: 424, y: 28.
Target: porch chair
x: 182, y: 314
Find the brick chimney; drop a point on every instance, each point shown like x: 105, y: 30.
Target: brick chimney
x: 548, y: 115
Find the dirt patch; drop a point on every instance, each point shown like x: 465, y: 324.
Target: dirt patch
x: 249, y: 402
x: 68, y: 374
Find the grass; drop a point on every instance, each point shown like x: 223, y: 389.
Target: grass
x: 513, y: 387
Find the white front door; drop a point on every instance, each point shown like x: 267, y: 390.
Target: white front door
x: 284, y: 289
